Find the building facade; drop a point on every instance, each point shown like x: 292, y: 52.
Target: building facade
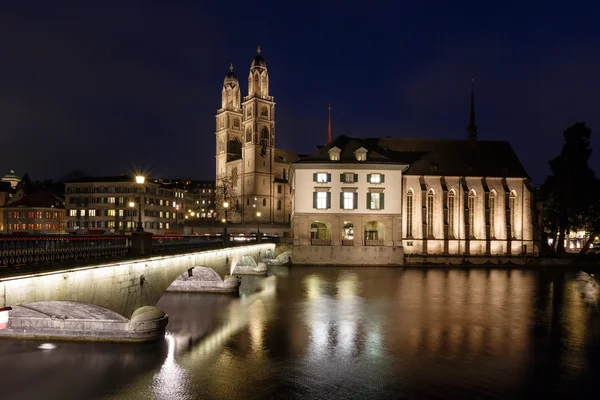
x: 251, y: 173
x: 429, y: 197
x: 111, y: 205
x: 40, y: 213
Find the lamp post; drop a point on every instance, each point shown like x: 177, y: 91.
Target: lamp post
x: 258, y: 238
x: 140, y: 181
x: 226, y: 207
x: 131, y: 206
x: 177, y: 218
x: 192, y: 214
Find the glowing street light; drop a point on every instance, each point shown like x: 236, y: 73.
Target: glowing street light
x: 131, y: 206
x: 258, y: 238
x: 139, y: 179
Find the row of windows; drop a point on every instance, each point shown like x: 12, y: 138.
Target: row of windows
x: 118, y: 224
x: 36, y: 214
x: 123, y: 201
x: 470, y: 212
x: 348, y: 201
x: 347, y: 177
x: 124, y: 213
x: 37, y: 227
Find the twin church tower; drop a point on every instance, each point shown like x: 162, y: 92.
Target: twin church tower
x: 247, y: 162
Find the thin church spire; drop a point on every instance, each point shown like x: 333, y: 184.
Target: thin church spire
x: 472, y: 128
x: 329, y: 124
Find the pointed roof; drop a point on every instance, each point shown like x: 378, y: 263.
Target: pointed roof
x: 472, y: 128
x: 439, y: 157
x: 43, y: 198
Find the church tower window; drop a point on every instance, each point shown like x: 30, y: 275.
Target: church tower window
x: 236, y: 123
x: 430, y: 204
x: 264, y: 136
x: 234, y: 176
x: 248, y: 134
x: 264, y: 112
x: 249, y: 112
x: 409, y: 213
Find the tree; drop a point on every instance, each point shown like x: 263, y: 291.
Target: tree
x: 225, y: 192
x: 569, y: 193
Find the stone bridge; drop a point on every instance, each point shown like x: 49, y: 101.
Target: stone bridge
x: 124, y: 287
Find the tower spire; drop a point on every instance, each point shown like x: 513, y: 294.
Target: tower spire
x: 472, y: 128
x: 329, y: 124
x: 231, y: 67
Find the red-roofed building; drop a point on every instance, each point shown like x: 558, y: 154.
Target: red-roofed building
x: 39, y: 213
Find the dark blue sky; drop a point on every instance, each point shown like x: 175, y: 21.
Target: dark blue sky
x: 107, y: 88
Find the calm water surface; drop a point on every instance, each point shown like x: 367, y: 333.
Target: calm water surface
x: 332, y: 333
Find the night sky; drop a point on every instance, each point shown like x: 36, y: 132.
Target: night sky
x: 112, y: 88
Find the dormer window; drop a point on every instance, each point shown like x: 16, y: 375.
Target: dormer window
x: 334, y: 153
x: 361, y: 154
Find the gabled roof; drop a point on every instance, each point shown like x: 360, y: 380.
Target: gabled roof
x: 43, y: 198
x: 284, y: 156
x: 429, y: 156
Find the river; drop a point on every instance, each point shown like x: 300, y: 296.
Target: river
x: 334, y: 333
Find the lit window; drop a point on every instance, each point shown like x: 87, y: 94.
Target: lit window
x: 82, y: 213
x: 409, y: 213
x: 493, y: 214
x: 111, y: 200
x: 121, y: 213
x: 348, y: 177
x: 374, y: 201
x: 451, y: 198
x: 430, y: 214
x: 375, y: 178
x: 111, y: 213
x: 511, y: 205
x: 92, y: 213
x: 322, y: 200
x: 38, y: 214
x: 322, y: 177
x: 348, y: 200
x: 72, y: 213
x: 471, y: 208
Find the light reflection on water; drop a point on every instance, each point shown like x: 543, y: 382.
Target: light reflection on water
x: 349, y: 333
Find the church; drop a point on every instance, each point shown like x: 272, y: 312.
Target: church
x: 396, y: 200
x: 251, y: 173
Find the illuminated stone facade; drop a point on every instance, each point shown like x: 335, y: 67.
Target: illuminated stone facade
x: 434, y: 197
x: 245, y: 149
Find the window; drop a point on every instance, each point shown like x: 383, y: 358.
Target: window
x: 72, y: 213
x: 236, y: 123
x: 471, y: 208
x: 322, y: 177
x: 121, y: 213
x: 361, y: 154
x: 110, y: 224
x: 249, y: 112
x: 375, y: 201
x: 234, y: 176
x: 493, y: 214
x: 334, y: 153
x: 38, y: 214
x: 375, y: 178
x: 30, y: 214
x: 92, y: 213
x: 111, y: 200
x: 511, y: 206
x: 279, y: 204
x: 82, y: 213
x: 264, y: 112
x: 430, y: 198
x: 111, y: 213
x: 348, y: 177
x: 451, y: 198
x: 264, y: 202
x: 278, y: 189
x: 348, y: 200
x: 321, y: 200
x: 409, y: 213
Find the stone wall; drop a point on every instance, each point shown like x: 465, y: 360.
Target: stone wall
x: 347, y: 255
x: 120, y: 287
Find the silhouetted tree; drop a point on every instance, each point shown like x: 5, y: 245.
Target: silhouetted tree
x: 225, y: 192
x: 569, y: 193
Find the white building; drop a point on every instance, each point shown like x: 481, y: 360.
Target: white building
x: 362, y: 201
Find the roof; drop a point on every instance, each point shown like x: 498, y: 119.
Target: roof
x: 104, y: 179
x: 430, y: 156
x: 285, y: 156
x: 43, y: 198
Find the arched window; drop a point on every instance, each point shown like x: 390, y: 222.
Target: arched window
x: 248, y: 134
x: 451, y: 205
x: 249, y: 112
x: 409, y: 213
x: 493, y: 213
x: 236, y: 123
x: 264, y: 136
x: 264, y: 112
x: 471, y: 208
x: 512, y: 200
x: 221, y: 145
x: 264, y: 202
x: 430, y: 198
x: 234, y: 176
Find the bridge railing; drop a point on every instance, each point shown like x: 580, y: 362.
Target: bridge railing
x: 17, y: 250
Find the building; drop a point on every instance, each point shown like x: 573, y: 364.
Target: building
x: 410, y: 196
x: 39, y: 213
x: 111, y: 205
x: 251, y: 173
x: 11, y: 178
